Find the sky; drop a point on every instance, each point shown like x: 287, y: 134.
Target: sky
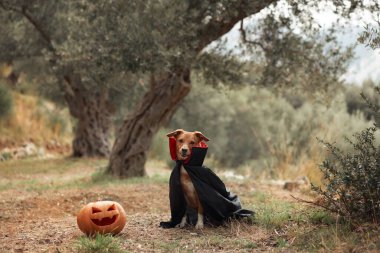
x: 366, y: 64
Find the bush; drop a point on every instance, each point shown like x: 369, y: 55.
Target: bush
x: 6, y: 101
x: 353, y: 179
x: 256, y: 130
x: 355, y: 103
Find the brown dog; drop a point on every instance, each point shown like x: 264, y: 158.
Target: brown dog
x: 185, y: 141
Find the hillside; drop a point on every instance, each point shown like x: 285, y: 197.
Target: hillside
x: 37, y: 121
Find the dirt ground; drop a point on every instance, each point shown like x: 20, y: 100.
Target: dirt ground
x: 47, y: 222
x: 38, y: 218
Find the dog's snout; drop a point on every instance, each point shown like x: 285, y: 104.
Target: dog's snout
x: 184, y: 151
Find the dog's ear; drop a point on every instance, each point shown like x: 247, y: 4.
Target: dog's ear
x: 201, y: 136
x: 175, y: 133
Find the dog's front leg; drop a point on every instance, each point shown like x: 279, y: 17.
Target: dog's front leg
x: 199, y: 224
x: 183, y: 222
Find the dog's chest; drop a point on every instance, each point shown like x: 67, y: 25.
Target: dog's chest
x: 188, y: 188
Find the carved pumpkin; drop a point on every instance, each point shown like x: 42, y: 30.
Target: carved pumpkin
x: 101, y: 217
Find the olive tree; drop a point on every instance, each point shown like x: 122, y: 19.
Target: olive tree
x: 68, y: 40
x: 169, y: 39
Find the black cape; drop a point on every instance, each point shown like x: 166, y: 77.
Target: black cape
x: 218, y: 203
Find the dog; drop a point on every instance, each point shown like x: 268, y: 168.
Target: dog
x: 185, y: 141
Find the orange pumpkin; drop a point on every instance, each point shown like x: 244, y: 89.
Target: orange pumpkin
x: 101, y: 217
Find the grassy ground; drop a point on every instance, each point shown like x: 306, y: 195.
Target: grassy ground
x: 39, y: 201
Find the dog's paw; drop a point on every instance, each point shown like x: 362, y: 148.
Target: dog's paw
x: 199, y: 225
x: 181, y: 225
x: 166, y: 224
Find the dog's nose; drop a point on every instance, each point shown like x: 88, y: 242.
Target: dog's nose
x: 184, y: 151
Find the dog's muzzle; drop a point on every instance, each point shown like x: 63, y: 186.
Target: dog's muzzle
x: 184, y: 152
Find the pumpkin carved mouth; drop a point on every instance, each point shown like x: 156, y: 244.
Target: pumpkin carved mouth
x: 105, y: 221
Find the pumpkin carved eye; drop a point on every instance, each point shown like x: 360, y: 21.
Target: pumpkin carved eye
x: 96, y: 210
x: 111, y: 208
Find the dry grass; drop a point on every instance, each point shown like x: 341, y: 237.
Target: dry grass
x: 39, y: 216
x: 34, y: 120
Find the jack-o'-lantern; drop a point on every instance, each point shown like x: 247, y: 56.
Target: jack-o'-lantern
x: 101, y: 217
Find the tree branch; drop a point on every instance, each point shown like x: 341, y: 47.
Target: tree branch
x: 38, y: 27
x: 24, y: 12
x: 244, y: 37
x: 222, y: 24
x: 314, y: 204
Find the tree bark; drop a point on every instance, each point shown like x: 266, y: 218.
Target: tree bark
x: 129, y: 152
x: 93, y: 114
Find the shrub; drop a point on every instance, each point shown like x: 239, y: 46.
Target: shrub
x: 353, y: 179
x: 259, y: 131
x: 6, y: 101
x: 355, y: 103
x: 159, y: 149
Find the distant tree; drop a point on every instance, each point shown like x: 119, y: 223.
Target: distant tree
x: 355, y: 102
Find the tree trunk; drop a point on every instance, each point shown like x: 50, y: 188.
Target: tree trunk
x: 93, y: 114
x: 129, y: 152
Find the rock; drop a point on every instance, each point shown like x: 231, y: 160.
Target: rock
x: 6, y: 154
x: 19, y: 153
x: 30, y: 149
x: 301, y: 183
x: 232, y: 174
x: 41, y: 152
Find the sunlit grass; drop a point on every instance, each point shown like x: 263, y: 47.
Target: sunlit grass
x: 62, y: 173
x: 270, y: 212
x: 338, y: 237
x: 42, y: 166
x: 100, y: 177
x: 33, y: 118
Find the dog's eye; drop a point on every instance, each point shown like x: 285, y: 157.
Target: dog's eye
x: 192, y: 143
x: 181, y: 141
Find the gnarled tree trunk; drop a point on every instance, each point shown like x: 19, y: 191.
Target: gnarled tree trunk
x: 129, y: 152
x: 128, y: 155
x: 93, y: 113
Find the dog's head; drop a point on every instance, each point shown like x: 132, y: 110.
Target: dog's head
x: 185, y: 141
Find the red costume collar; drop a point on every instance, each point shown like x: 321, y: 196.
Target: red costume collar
x: 173, y: 153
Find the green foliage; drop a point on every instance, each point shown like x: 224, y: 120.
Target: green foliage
x: 99, y: 244
x: 321, y: 217
x: 312, y: 64
x: 272, y: 213
x: 281, y: 243
x: 355, y: 102
x: 6, y: 101
x: 159, y: 149
x: 256, y: 127
x: 352, y: 178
